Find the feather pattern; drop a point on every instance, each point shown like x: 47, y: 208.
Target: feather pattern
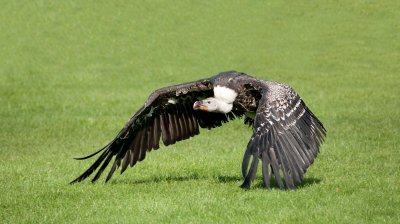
x: 157, y: 119
x: 286, y: 134
x: 290, y: 136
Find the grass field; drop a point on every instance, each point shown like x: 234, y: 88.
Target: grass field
x: 73, y: 72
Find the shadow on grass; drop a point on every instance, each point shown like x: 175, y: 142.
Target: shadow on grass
x: 257, y: 183
x: 158, y: 179
x: 180, y: 178
x: 307, y: 182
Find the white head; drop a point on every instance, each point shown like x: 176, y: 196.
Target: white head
x: 213, y: 105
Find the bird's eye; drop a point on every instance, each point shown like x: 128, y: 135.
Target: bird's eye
x: 208, y: 102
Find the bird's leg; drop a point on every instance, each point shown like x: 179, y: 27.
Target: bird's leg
x: 252, y: 172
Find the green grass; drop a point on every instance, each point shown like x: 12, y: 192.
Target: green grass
x: 73, y: 72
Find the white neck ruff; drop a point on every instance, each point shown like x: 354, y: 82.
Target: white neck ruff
x: 225, y: 94
x: 223, y: 106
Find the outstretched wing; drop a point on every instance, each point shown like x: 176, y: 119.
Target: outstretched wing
x: 168, y: 115
x: 286, y: 137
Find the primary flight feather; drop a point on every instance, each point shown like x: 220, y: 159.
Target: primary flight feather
x: 286, y: 134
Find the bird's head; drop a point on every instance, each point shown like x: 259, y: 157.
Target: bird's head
x: 209, y: 104
x: 213, y: 105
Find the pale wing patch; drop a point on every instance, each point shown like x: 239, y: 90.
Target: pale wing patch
x: 172, y: 100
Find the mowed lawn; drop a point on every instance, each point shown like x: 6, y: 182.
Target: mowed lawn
x: 73, y: 72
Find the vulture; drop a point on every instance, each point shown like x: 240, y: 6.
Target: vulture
x: 286, y: 135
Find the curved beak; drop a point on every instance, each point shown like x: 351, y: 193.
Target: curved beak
x: 198, y: 105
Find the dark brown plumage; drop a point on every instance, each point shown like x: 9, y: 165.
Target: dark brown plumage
x: 286, y: 134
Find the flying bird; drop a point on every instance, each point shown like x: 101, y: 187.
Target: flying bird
x: 286, y: 135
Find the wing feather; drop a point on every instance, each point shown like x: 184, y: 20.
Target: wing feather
x: 125, y: 161
x: 172, y: 128
x: 291, y: 136
x: 165, y: 129
x: 150, y: 137
x: 136, y: 150
x: 265, y: 170
x: 158, y: 120
x: 275, y: 167
x: 143, y: 145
